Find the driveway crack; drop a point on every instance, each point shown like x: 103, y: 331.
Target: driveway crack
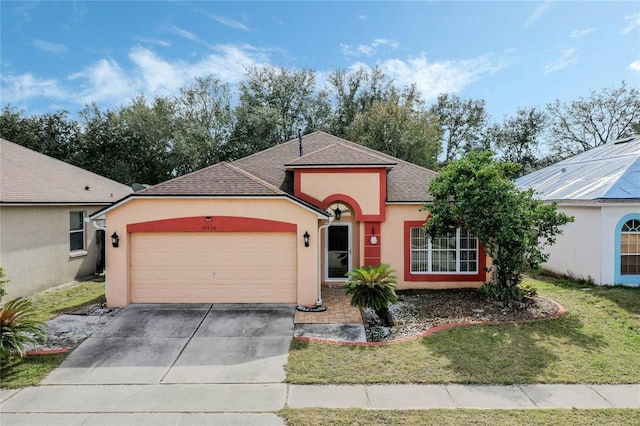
x: 186, y: 344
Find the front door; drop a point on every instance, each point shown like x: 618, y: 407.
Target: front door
x: 338, y: 251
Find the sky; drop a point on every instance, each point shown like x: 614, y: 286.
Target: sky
x: 63, y: 55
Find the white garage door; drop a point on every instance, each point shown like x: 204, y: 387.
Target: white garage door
x: 230, y: 267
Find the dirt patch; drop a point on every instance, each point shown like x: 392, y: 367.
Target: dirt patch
x: 419, y: 310
x: 70, y: 329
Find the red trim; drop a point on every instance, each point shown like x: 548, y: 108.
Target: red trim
x: 409, y: 276
x: 372, y: 252
x: 433, y: 330
x: 382, y: 173
x: 215, y: 224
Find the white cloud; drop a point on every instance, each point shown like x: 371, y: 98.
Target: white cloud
x: 104, y: 82
x: 581, y: 33
x: 367, y: 49
x: 182, y: 33
x: 634, y: 22
x: 362, y: 17
x: 635, y: 65
x: 434, y: 78
x: 110, y: 83
x: 229, y: 22
x: 567, y: 58
x: 536, y: 14
x: 16, y: 88
x: 158, y: 42
x: 50, y: 47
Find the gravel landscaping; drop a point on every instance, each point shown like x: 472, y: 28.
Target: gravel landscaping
x: 419, y: 310
x: 67, y: 331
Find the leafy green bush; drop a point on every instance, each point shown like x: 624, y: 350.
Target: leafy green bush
x: 17, y: 326
x: 373, y: 287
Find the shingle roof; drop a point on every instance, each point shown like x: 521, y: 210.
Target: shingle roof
x: 340, y: 154
x: 218, y: 179
x: 608, y: 172
x: 406, y: 182
x: 26, y: 176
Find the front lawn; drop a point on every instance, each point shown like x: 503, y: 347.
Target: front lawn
x: 460, y: 417
x: 596, y: 341
x: 30, y: 370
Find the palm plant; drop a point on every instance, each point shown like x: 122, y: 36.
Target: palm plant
x: 373, y: 287
x: 17, y: 329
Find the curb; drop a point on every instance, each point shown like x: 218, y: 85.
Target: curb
x: 433, y: 330
x: 48, y: 351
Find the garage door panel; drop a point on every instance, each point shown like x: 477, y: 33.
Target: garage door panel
x: 213, y: 268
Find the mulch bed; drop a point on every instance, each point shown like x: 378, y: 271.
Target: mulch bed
x: 419, y: 310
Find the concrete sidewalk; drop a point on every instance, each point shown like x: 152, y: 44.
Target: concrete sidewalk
x: 255, y: 404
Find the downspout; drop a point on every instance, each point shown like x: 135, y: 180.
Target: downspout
x: 96, y: 224
x: 326, y: 225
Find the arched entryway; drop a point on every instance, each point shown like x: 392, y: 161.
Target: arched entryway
x: 338, y: 244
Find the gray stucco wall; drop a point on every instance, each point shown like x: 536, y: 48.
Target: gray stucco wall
x: 34, y: 248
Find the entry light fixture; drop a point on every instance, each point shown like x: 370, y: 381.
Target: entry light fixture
x: 374, y: 239
x: 115, y: 240
x: 337, y: 212
x: 306, y: 238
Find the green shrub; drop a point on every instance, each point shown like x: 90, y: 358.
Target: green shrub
x: 373, y: 287
x: 17, y: 326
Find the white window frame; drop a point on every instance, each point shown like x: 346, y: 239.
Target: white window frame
x: 82, y: 231
x: 630, y: 227
x: 429, y: 251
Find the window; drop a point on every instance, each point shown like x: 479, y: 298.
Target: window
x: 630, y: 248
x: 456, y: 252
x: 76, y: 231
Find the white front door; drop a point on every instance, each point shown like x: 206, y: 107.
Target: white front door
x: 337, y: 251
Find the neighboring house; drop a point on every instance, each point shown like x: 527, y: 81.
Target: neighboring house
x: 44, y: 238
x: 255, y: 230
x: 601, y: 189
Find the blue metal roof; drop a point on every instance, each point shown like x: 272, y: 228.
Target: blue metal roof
x: 609, y: 171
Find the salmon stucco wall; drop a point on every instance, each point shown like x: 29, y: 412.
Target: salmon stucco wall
x: 34, y: 248
x: 145, y: 210
x: 364, y: 190
x: 393, y: 249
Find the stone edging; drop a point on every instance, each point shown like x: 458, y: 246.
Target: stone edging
x: 432, y: 330
x: 48, y: 351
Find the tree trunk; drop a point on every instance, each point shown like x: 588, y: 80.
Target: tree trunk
x: 385, y: 317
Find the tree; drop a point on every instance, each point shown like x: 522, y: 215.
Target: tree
x: 462, y: 122
x: 52, y: 134
x: 517, y: 139
x: 203, y: 124
x: 373, y: 287
x: 354, y: 92
x: 150, y: 129
x: 276, y: 102
x: 105, y: 146
x: 477, y: 193
x: 604, y: 116
x: 399, y: 128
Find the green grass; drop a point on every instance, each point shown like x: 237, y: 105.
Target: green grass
x: 460, y: 417
x: 30, y: 370
x: 52, y: 303
x: 596, y: 341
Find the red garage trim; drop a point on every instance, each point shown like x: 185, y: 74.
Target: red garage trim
x: 213, y: 224
x: 382, y: 175
x: 409, y: 276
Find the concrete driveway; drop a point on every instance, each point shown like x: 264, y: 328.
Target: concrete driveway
x: 152, y: 344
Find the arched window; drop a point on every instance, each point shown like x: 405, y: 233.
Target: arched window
x: 630, y: 248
